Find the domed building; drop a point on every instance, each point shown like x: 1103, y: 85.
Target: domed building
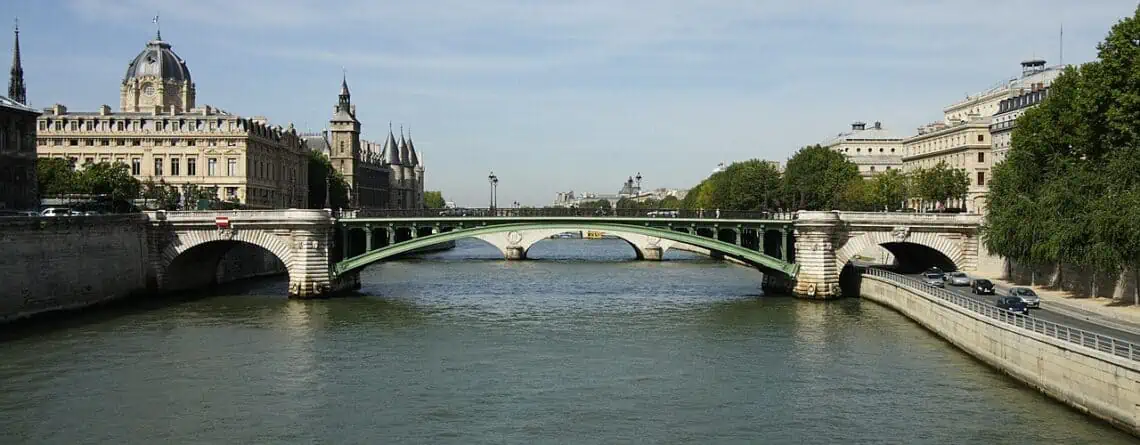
x: 157, y: 77
x: 162, y: 134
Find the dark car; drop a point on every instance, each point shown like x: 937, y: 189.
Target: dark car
x: 982, y: 287
x: 932, y: 270
x: 1013, y: 304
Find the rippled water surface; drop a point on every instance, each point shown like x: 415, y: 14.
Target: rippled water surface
x: 581, y: 346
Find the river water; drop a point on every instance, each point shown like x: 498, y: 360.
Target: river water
x: 581, y: 346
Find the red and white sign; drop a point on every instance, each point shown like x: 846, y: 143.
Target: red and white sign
x: 223, y: 222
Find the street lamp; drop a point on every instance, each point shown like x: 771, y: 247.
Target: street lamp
x: 494, y: 181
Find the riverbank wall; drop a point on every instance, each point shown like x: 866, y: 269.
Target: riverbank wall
x: 61, y: 263
x: 1097, y: 383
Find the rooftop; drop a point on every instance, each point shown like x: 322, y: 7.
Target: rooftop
x: 859, y: 132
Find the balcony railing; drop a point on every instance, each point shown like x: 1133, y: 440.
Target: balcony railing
x: 559, y: 212
x: 1091, y: 340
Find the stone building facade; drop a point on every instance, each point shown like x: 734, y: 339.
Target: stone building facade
x: 1003, y: 123
x: 162, y: 134
x: 874, y: 150
x: 963, y: 139
x: 18, y: 187
x: 379, y: 176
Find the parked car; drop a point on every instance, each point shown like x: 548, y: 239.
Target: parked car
x: 56, y: 211
x: 957, y: 279
x: 1013, y: 304
x: 1027, y: 295
x: 934, y: 279
x: 982, y: 286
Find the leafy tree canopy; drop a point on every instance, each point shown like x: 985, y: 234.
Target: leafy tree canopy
x: 433, y: 199
x: 816, y: 178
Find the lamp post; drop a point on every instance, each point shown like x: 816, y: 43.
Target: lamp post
x: 494, y: 181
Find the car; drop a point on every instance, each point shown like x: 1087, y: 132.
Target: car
x: 982, y: 286
x: 1013, y: 304
x: 957, y: 279
x: 934, y: 279
x: 56, y: 211
x: 1027, y: 295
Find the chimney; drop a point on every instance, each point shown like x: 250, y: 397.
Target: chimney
x: 858, y: 125
x: 59, y: 109
x: 878, y: 125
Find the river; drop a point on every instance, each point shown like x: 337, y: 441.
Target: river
x: 583, y: 345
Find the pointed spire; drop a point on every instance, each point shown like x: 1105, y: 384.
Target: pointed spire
x: 391, y: 149
x: 405, y: 156
x: 157, y: 28
x: 413, y: 158
x: 343, y: 82
x: 16, y: 89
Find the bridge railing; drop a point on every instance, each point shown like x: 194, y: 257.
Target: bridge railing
x: 1092, y: 340
x: 565, y: 212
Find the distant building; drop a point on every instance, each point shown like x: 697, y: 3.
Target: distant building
x: 874, y: 150
x: 1003, y: 123
x: 161, y: 133
x: 630, y: 189
x: 963, y: 139
x: 388, y: 175
x: 18, y: 185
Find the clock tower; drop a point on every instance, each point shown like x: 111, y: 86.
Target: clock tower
x: 157, y: 78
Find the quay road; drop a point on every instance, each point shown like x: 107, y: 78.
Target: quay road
x: 1046, y: 312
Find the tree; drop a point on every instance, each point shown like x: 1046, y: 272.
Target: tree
x: 108, y: 179
x: 597, y: 204
x: 889, y: 190
x: 434, y: 199
x: 1068, y: 191
x: 941, y: 183
x: 320, y: 170
x: 750, y: 185
x: 164, y: 196
x: 858, y: 196
x: 55, y: 176
x: 670, y: 202
x: 816, y: 178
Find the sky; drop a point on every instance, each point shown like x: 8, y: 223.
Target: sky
x: 566, y: 95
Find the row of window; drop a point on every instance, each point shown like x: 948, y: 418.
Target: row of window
x: 869, y: 150
x: 136, y: 124
x: 941, y: 143
x: 57, y: 142
x: 262, y: 169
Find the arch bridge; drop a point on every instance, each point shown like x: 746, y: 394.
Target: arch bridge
x: 324, y: 253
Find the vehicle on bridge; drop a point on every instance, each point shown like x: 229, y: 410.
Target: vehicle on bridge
x: 982, y: 286
x: 1013, y: 304
x: 957, y: 279
x: 1027, y: 295
x: 935, y: 279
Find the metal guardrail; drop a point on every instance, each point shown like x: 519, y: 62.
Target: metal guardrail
x: 1092, y: 340
x: 565, y: 212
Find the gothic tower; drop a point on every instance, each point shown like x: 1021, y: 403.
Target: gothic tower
x: 344, y: 140
x: 16, y: 90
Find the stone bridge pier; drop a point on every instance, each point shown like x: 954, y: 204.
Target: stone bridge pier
x: 827, y: 241
x: 186, y: 247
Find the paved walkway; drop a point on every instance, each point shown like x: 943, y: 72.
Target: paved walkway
x: 1102, y: 311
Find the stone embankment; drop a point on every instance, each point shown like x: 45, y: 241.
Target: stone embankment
x: 1094, y: 374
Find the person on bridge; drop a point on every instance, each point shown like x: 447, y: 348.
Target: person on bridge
x: 718, y: 213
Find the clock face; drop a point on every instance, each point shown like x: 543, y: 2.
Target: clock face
x: 148, y: 89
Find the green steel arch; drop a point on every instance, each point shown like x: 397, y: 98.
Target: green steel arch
x: 741, y: 253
